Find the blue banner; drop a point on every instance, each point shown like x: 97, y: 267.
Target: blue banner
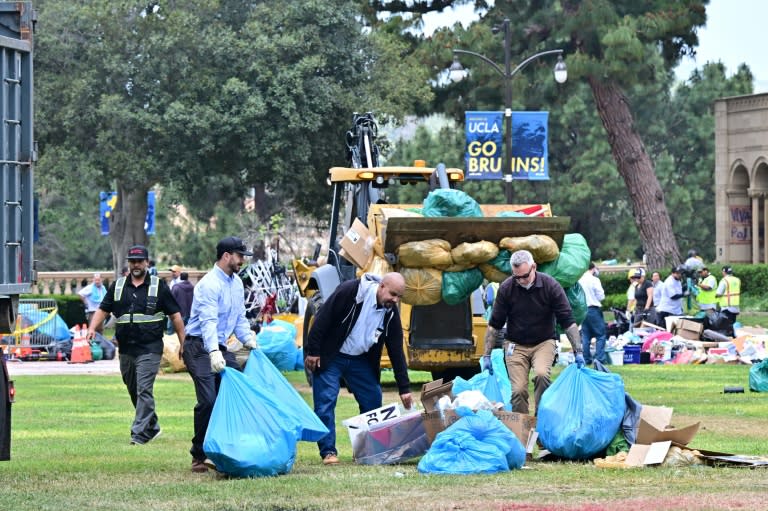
x: 530, y: 153
x: 484, y: 145
x: 107, y: 203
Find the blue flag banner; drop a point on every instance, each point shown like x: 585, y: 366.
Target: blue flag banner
x: 530, y: 153
x: 484, y: 145
x: 107, y: 203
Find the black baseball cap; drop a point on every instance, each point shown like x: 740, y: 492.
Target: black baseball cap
x: 232, y: 244
x: 138, y: 253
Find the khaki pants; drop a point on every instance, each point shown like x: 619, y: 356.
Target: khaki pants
x: 540, y: 357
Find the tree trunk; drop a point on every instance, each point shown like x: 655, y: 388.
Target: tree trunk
x: 127, y: 223
x: 635, y: 167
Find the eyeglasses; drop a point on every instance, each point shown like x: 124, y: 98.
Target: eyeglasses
x: 522, y: 277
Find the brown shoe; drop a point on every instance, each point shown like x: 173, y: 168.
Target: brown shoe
x: 330, y: 459
x: 198, y: 466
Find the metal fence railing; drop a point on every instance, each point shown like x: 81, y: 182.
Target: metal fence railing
x: 38, y: 329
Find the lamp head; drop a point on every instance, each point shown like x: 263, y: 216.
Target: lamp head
x: 456, y: 72
x: 561, y: 71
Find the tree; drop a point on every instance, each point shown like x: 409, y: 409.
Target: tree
x: 210, y: 99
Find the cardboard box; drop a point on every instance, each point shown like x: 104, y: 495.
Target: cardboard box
x: 431, y: 392
x: 655, y: 436
x: 520, y: 424
x: 358, y: 244
x: 688, y: 329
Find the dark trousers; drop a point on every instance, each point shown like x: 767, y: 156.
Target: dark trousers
x: 207, y: 383
x: 139, y: 372
x: 593, y: 326
x: 326, y: 383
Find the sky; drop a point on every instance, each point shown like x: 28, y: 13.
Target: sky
x: 732, y: 35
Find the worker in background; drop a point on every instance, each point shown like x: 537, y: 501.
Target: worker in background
x: 707, y: 284
x: 593, y: 325
x: 728, y: 293
x: 92, y: 295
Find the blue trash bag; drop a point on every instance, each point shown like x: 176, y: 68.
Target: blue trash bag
x: 631, y: 412
x: 264, y: 375
x: 484, y: 382
x: 475, y: 444
x: 299, y: 364
x: 247, y: 435
x: 580, y: 413
x: 278, y: 341
x: 502, y: 377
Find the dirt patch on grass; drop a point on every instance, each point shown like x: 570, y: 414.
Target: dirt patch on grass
x: 690, y: 503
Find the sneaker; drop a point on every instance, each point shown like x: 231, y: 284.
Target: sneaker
x: 198, y: 466
x: 330, y: 459
x: 156, y: 435
x: 210, y: 464
x: 136, y: 441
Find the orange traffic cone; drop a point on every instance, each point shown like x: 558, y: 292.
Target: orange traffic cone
x: 81, y: 349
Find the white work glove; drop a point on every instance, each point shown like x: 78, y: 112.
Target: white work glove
x: 251, y: 343
x: 217, y: 361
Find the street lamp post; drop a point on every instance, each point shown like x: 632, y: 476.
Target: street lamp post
x: 457, y: 73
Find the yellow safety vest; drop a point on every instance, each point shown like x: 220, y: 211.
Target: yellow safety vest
x: 707, y: 297
x: 732, y: 292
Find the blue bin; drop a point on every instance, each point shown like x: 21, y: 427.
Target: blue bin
x: 632, y: 354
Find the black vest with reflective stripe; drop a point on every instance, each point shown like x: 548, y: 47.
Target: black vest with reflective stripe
x: 146, y: 318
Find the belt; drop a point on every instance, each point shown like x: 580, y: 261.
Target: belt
x: 352, y: 357
x: 594, y: 307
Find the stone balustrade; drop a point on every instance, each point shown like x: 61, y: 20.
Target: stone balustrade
x: 70, y: 282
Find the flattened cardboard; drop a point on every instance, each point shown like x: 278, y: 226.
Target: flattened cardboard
x: 358, y: 244
x: 653, y: 454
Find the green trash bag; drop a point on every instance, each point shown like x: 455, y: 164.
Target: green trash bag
x: 758, y: 377
x: 450, y: 202
x: 572, y: 262
x: 617, y: 445
x: 459, y: 285
x: 96, y: 351
x: 578, y: 301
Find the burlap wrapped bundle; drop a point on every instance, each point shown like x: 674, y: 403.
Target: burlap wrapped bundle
x: 459, y: 267
x: 491, y: 273
x: 425, y: 254
x: 423, y: 286
x: 543, y: 248
x: 379, y: 266
x: 474, y: 253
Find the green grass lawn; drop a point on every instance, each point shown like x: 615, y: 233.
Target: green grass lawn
x: 71, y: 452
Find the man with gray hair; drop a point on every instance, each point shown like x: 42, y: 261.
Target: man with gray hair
x: 529, y: 303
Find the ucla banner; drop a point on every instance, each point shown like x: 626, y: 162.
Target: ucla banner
x: 484, y: 145
x: 530, y: 154
x: 107, y: 203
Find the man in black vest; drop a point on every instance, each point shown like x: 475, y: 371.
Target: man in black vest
x: 140, y: 303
